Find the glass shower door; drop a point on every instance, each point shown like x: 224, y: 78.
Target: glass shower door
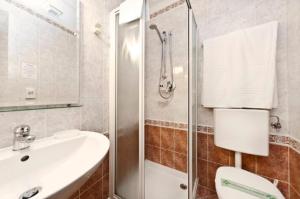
x: 128, y: 114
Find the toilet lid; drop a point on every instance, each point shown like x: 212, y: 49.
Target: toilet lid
x: 237, y: 183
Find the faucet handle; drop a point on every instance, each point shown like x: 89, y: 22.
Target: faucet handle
x: 30, y: 139
x: 22, y: 130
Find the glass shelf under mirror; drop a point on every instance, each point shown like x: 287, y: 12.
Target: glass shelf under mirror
x: 38, y: 107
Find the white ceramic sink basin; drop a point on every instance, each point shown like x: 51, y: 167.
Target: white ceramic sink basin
x: 55, y: 163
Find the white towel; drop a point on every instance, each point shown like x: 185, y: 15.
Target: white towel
x: 130, y: 10
x: 240, y: 69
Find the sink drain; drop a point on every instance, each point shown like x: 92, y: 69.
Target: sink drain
x: 24, y: 158
x: 183, y: 186
x: 30, y: 193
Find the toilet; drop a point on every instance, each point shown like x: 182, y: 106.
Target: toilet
x: 243, y: 131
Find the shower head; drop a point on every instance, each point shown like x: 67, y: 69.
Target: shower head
x: 154, y: 27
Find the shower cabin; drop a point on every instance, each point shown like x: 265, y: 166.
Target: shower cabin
x: 153, y: 101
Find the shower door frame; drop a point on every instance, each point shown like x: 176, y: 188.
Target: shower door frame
x: 112, y: 103
x: 192, y: 185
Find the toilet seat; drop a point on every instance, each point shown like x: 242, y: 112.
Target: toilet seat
x: 245, y: 178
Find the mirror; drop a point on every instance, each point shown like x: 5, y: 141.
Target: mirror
x: 39, y: 53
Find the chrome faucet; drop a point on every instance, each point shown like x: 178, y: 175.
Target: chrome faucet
x: 22, y: 137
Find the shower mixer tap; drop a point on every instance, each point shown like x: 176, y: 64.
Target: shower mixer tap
x: 171, y: 86
x: 166, y: 80
x: 275, y: 124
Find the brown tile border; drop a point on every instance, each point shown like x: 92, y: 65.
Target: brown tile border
x: 275, y: 165
x: 293, y: 193
x: 285, y: 140
x: 281, y: 164
x: 32, y: 12
x: 166, y: 145
x: 167, y: 8
x: 274, y: 139
x: 294, y: 166
x: 210, y: 157
x: 97, y: 186
x: 279, y: 144
x: 204, y: 193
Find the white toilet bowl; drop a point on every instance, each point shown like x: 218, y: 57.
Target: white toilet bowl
x: 236, y: 183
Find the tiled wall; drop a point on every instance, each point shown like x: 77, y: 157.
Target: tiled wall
x: 176, y: 108
x: 282, y: 164
x: 3, y: 40
x: 293, y: 67
x: 97, y: 186
x: 166, y: 145
x: 215, y: 18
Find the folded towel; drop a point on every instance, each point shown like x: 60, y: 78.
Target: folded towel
x: 239, y: 69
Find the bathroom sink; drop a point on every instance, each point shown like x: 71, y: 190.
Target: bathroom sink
x: 52, y: 167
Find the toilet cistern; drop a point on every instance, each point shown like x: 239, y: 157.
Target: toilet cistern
x: 22, y: 137
x: 243, y: 131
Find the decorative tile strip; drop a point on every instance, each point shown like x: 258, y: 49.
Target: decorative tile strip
x: 167, y: 8
x: 201, y: 129
x: 279, y: 139
x: 168, y: 124
x: 205, y: 129
x: 210, y: 130
x: 295, y: 144
x: 152, y: 122
x: 32, y: 12
x: 274, y: 139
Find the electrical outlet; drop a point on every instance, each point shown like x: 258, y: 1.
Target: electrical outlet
x: 30, y: 93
